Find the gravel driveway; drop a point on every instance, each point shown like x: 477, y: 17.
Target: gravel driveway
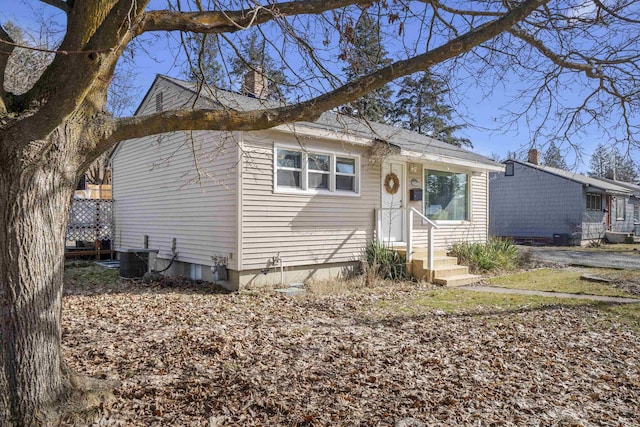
x: 621, y: 260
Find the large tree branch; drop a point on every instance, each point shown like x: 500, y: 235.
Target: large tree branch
x: 115, y: 22
x: 90, y: 69
x: 7, y: 49
x: 222, y: 22
x: 228, y: 120
x: 60, y: 4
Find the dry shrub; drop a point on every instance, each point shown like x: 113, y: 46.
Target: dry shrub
x: 492, y: 256
x: 337, y: 285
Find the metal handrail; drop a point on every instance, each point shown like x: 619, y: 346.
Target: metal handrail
x: 409, y: 217
x: 431, y: 223
x: 432, y: 226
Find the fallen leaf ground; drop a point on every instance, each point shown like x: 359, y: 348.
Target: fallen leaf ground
x: 189, y: 356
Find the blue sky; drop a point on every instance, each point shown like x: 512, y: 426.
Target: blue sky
x: 481, y: 110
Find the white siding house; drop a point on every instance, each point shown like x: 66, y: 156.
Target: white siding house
x: 309, y: 194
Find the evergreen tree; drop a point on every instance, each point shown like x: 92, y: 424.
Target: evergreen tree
x: 205, y: 62
x: 255, y: 57
x: 421, y: 107
x: 366, y: 54
x: 204, y: 59
x: 600, y: 162
x: 610, y: 163
x: 553, y: 157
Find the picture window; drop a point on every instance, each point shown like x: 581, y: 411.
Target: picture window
x: 446, y: 195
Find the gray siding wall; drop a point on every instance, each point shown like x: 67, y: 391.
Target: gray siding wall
x: 533, y: 203
x: 594, y: 222
x: 178, y: 185
x: 624, y: 225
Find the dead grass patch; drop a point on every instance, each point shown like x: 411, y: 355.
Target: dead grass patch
x: 564, y: 280
x: 605, y: 247
x: 380, y: 354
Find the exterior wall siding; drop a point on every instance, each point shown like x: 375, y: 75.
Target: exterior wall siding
x: 594, y: 222
x: 305, y: 229
x: 534, y: 203
x: 214, y: 194
x: 450, y: 232
x: 178, y: 185
x: 626, y: 224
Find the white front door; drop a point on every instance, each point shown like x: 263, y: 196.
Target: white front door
x: 393, y: 216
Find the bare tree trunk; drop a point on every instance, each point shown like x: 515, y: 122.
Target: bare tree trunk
x: 33, y: 213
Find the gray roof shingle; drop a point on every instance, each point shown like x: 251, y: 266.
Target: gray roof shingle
x: 403, y: 138
x: 605, y: 185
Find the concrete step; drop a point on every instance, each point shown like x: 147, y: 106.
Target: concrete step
x: 418, y: 271
x: 438, y: 262
x: 459, y: 280
x: 421, y: 252
x: 458, y: 270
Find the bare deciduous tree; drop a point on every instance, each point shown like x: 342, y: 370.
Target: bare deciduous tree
x: 54, y: 129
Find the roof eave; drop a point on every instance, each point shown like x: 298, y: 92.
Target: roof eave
x: 609, y: 191
x: 301, y: 129
x: 438, y: 158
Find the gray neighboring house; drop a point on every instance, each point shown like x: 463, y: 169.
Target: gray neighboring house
x: 533, y: 202
x: 291, y: 203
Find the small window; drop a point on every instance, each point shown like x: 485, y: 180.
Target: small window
x: 621, y: 205
x: 289, y: 169
x: 636, y: 213
x: 508, y: 171
x: 345, y: 174
x: 315, y: 172
x: 195, y: 272
x: 594, y: 202
x: 319, y: 170
x: 159, y: 105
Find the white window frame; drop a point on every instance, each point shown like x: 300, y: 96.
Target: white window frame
x: 318, y: 172
x: 355, y: 174
x: 304, y: 176
x: 594, y: 197
x: 469, y: 174
x: 621, y: 208
x: 510, y: 169
x: 283, y: 168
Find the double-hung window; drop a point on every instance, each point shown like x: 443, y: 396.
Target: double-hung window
x: 319, y: 171
x: 594, y: 202
x: 289, y: 169
x: 316, y: 172
x: 345, y: 174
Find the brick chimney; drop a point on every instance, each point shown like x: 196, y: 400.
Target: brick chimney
x: 255, y: 84
x: 534, y: 156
